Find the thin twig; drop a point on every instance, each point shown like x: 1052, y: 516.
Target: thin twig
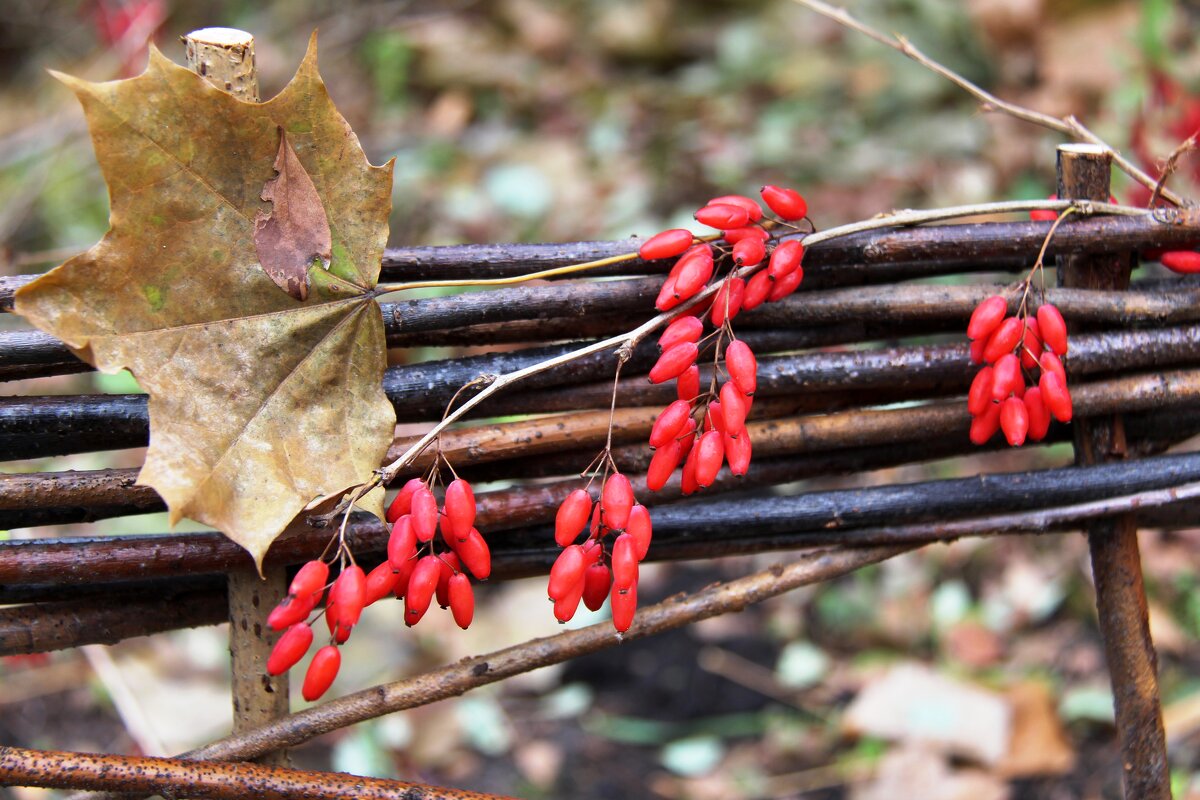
x: 1068, y: 125
x: 1169, y: 167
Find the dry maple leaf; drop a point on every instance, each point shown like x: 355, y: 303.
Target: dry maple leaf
x: 259, y: 401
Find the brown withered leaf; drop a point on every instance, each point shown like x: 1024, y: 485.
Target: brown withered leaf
x: 295, y: 232
x: 259, y: 402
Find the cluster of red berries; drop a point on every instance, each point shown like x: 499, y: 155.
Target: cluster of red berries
x: 718, y: 434
x: 406, y: 574
x: 745, y: 238
x: 589, y: 572
x: 1012, y: 347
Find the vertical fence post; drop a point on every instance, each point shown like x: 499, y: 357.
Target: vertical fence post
x: 1083, y: 174
x: 225, y: 58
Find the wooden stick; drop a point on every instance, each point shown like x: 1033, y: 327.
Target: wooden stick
x: 225, y: 58
x: 1083, y: 172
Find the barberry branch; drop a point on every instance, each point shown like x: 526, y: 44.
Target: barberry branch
x: 175, y: 777
x: 1068, y: 125
x: 625, y: 343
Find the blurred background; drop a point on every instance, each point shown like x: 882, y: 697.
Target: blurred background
x: 533, y: 120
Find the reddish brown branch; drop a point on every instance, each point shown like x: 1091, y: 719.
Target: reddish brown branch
x: 173, y: 777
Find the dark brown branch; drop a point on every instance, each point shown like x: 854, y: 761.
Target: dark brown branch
x: 684, y: 530
x: 172, y: 777
x: 33, y: 427
x: 562, y: 444
x: 575, y: 309
x: 1083, y: 173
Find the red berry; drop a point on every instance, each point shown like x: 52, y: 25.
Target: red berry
x: 1039, y: 415
x: 421, y: 588
x: 1006, y: 375
x: 669, y: 423
x: 785, y: 259
x: 733, y: 409
x: 977, y: 348
x: 728, y: 301
x: 980, y: 394
x: 321, y: 671
x: 337, y: 627
x: 1031, y: 346
x: 749, y: 252
x: 1184, y: 261
x: 786, y: 203
x: 667, y: 298
x: 667, y: 244
x: 565, y: 606
x: 1052, y: 363
x: 753, y: 209
x: 684, y: 329
x: 673, y: 362
x: 1044, y: 214
x: 567, y: 572
x: 663, y: 464
x: 402, y: 544
x: 986, y: 317
x: 450, y: 566
x: 624, y: 563
x: 1056, y: 396
x: 714, y: 419
x: 380, y: 582
x: 742, y: 366
x: 786, y: 285
x: 349, y: 595
x: 710, y: 452
x: 402, y: 503
x: 1053, y: 328
x: 290, y: 611
x: 1004, y: 340
x: 310, y: 579
x: 594, y: 527
x: 687, y: 384
x: 984, y: 426
x: 403, y: 576
x: 757, y: 290
x: 688, y: 483
x: 460, y: 508
x: 572, y: 516
x: 624, y: 606
x: 424, y: 514
x: 695, y: 268
x: 596, y: 582
x: 616, y: 501
x: 722, y: 216
x: 290, y: 648
x: 735, y: 235
x: 462, y: 600
x: 1014, y: 421
x: 737, y: 453
x: 641, y: 529
x: 476, y: 555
